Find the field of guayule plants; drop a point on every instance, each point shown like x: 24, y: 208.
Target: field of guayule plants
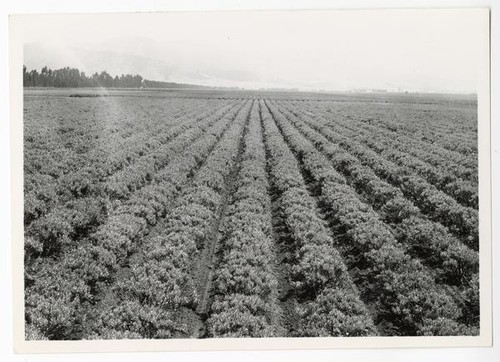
x: 157, y: 214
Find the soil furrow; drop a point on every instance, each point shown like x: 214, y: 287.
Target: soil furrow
x: 207, y: 262
x: 136, y: 255
x: 321, y: 208
x: 284, y: 256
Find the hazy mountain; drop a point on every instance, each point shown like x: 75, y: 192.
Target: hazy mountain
x: 138, y: 56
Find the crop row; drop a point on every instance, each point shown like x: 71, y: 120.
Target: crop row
x: 53, y: 147
x: 329, y: 304
x: 81, y: 126
x: 436, y: 125
x: 245, y: 286
x: 461, y: 221
x: 450, y: 260
x: 162, y: 282
x: 119, y: 157
x: 408, y: 300
x: 121, y: 184
x: 456, y: 180
x: 430, y: 151
x: 109, y: 150
x: 453, y: 261
x: 439, y: 133
x: 78, y: 216
x: 85, y: 270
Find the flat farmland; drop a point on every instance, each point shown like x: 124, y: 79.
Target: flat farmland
x: 202, y: 214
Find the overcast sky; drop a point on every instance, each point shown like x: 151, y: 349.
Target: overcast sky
x: 425, y: 50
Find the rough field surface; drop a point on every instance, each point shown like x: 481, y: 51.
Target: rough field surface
x: 201, y: 214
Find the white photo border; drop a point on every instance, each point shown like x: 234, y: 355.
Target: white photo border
x: 22, y: 346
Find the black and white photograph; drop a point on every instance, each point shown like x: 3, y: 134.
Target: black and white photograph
x: 255, y: 175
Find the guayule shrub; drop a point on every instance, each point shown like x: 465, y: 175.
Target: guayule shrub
x: 335, y: 313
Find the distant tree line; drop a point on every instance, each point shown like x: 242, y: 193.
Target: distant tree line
x: 72, y: 77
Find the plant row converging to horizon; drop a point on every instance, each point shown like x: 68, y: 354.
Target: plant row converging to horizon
x: 248, y: 217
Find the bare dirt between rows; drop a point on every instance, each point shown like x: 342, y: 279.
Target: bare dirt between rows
x: 108, y: 296
x: 205, y: 264
x: 282, y: 249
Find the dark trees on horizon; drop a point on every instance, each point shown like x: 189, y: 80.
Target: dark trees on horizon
x: 72, y: 78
